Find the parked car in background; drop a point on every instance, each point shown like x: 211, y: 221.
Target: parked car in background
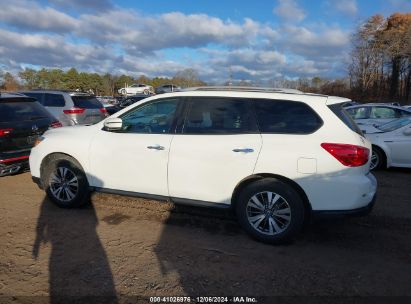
x: 125, y: 102
x: 391, y: 144
x: 367, y: 115
x: 137, y: 89
x: 22, y: 121
x: 167, y: 88
x: 70, y: 108
x: 407, y: 107
x: 275, y: 156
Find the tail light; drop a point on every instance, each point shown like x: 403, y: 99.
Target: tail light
x: 104, y: 111
x: 348, y: 155
x: 4, y: 132
x: 74, y: 111
x: 56, y: 124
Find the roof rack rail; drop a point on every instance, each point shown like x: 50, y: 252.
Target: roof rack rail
x: 244, y: 89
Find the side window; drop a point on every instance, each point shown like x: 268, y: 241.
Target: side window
x: 155, y: 117
x: 404, y: 113
x: 383, y: 112
x: 219, y: 116
x: 54, y: 100
x: 286, y: 117
x: 359, y: 113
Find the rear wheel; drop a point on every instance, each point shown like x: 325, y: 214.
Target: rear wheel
x: 65, y: 182
x: 146, y: 92
x: 270, y: 211
x: 123, y: 92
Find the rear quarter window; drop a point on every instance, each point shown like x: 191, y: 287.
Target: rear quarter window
x: 343, y: 115
x: 286, y: 117
x: 54, y: 100
x: 86, y: 102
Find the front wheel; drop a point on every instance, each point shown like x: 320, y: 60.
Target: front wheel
x: 270, y: 211
x: 65, y: 182
x: 377, y: 159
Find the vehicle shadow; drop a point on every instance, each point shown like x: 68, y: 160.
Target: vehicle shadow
x: 78, y: 266
x: 213, y: 256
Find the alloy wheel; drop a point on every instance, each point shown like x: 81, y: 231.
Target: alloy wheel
x: 268, y: 213
x: 64, y: 184
x: 375, y: 160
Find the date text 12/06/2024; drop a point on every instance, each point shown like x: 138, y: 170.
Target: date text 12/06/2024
x: 203, y: 300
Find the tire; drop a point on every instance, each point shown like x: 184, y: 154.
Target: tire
x: 377, y: 159
x: 123, y: 92
x: 278, y: 224
x: 75, y: 191
x: 146, y: 92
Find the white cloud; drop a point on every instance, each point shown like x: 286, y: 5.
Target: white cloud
x: 31, y: 16
x: 348, y: 7
x: 126, y: 41
x: 289, y: 11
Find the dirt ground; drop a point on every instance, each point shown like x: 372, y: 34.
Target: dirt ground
x: 124, y: 246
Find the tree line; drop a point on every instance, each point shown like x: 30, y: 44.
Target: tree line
x: 106, y: 85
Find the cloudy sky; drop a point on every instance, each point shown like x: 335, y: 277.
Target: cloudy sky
x: 252, y: 40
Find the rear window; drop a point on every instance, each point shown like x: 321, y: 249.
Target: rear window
x: 286, y: 117
x: 343, y: 115
x: 21, y: 109
x: 86, y: 102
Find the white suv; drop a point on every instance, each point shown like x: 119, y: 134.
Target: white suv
x: 276, y: 157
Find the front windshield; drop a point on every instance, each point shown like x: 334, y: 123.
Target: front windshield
x: 395, y: 124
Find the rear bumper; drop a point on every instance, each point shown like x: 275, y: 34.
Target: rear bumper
x: 363, y: 211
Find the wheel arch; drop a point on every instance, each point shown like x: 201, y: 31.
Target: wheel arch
x: 384, y: 153
x: 56, y: 155
x: 252, y: 178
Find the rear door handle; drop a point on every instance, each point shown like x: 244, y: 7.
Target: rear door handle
x: 156, y: 147
x: 245, y: 150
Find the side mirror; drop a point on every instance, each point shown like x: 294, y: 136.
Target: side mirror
x: 407, y: 131
x: 113, y: 124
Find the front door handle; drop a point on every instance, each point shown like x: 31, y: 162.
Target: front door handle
x: 245, y: 150
x: 156, y: 147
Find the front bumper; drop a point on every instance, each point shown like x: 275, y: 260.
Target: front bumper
x: 12, y: 165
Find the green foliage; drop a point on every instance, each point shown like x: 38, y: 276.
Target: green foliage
x: 106, y: 84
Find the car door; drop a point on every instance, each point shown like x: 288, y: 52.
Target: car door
x: 135, y: 159
x: 360, y: 115
x: 399, y: 143
x: 216, y: 147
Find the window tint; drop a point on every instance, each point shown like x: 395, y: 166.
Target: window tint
x: 219, y: 116
x: 342, y: 114
x: 21, y: 109
x: 290, y: 117
x: 156, y: 117
x: 86, y: 102
x: 37, y: 96
x: 405, y: 113
x: 359, y: 113
x: 383, y: 112
x: 54, y: 100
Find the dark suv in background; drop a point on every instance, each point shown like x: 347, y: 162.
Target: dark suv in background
x: 69, y: 107
x: 22, y: 121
